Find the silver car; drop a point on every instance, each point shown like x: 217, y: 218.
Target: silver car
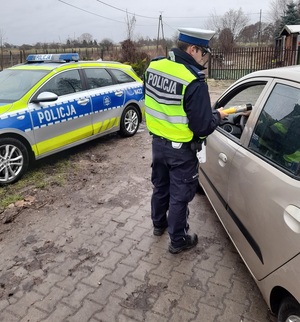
x: 252, y: 178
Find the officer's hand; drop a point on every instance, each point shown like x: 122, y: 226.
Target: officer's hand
x: 222, y: 112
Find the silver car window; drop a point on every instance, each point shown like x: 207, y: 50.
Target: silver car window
x: 247, y: 93
x: 277, y: 133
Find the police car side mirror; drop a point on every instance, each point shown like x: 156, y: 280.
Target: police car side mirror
x: 45, y: 97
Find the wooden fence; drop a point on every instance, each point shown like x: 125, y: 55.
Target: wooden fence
x: 241, y: 61
x: 10, y: 58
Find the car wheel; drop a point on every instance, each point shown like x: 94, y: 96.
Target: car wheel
x: 200, y: 190
x: 289, y: 310
x: 129, y: 121
x: 14, y: 159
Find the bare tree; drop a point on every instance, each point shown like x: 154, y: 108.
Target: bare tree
x: 106, y: 44
x: 130, y: 26
x: 85, y: 37
x: 233, y: 20
x: 277, y: 9
x: 226, y: 41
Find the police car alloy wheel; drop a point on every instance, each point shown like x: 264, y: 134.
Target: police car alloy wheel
x: 14, y: 160
x: 129, y: 121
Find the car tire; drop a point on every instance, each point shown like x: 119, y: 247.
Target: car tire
x: 200, y: 190
x: 14, y: 160
x: 129, y: 121
x: 289, y: 310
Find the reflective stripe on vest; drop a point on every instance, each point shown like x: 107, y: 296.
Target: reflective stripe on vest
x: 168, y: 118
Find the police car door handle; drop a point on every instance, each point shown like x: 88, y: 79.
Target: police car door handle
x: 119, y: 93
x: 21, y: 117
x: 83, y: 101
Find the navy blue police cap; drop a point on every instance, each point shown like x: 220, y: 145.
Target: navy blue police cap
x: 195, y: 36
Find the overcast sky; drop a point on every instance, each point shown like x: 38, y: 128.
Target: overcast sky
x: 32, y: 21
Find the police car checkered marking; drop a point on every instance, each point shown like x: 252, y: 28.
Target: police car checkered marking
x: 14, y: 114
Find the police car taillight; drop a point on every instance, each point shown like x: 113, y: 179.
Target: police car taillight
x: 52, y: 58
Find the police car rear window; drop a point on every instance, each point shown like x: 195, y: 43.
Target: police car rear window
x: 121, y: 76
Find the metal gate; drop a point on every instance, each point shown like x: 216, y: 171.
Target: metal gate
x: 241, y: 61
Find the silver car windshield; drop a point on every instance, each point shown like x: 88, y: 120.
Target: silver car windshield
x: 15, y: 83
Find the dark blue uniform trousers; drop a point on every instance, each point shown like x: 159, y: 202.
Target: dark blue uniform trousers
x: 175, y: 181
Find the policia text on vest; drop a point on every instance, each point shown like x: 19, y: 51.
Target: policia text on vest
x: 165, y: 85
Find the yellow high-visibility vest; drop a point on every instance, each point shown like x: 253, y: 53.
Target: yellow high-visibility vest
x: 166, y: 82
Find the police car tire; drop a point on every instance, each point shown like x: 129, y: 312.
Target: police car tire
x: 129, y: 121
x: 19, y: 150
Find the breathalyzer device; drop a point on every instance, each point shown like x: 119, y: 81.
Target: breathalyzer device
x: 238, y: 109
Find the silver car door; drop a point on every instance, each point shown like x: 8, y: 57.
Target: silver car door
x: 215, y: 174
x: 264, y: 187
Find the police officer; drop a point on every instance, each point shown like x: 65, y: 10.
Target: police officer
x: 178, y: 115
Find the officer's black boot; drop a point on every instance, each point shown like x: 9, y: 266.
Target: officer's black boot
x: 188, y: 242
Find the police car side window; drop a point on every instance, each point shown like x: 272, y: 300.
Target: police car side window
x: 98, y: 77
x: 64, y: 83
x: 121, y: 76
x: 277, y: 133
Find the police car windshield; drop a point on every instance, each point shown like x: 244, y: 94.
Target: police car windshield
x: 15, y: 83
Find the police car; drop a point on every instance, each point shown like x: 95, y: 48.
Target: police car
x: 55, y: 101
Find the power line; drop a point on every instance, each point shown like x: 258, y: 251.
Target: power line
x: 131, y: 13
x: 137, y: 15
x: 95, y: 14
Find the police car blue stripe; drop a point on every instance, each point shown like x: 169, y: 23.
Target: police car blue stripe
x: 55, y: 110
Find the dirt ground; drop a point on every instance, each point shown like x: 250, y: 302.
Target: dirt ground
x: 97, y: 167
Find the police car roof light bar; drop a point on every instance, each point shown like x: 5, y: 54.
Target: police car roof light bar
x: 53, y: 58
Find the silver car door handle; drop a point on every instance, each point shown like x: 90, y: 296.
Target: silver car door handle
x: 291, y: 217
x: 119, y: 93
x: 83, y: 101
x: 223, y: 157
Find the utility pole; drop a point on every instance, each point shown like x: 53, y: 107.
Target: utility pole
x: 160, y: 26
x: 259, y: 29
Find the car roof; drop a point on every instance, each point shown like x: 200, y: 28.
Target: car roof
x: 290, y: 72
x: 51, y: 66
